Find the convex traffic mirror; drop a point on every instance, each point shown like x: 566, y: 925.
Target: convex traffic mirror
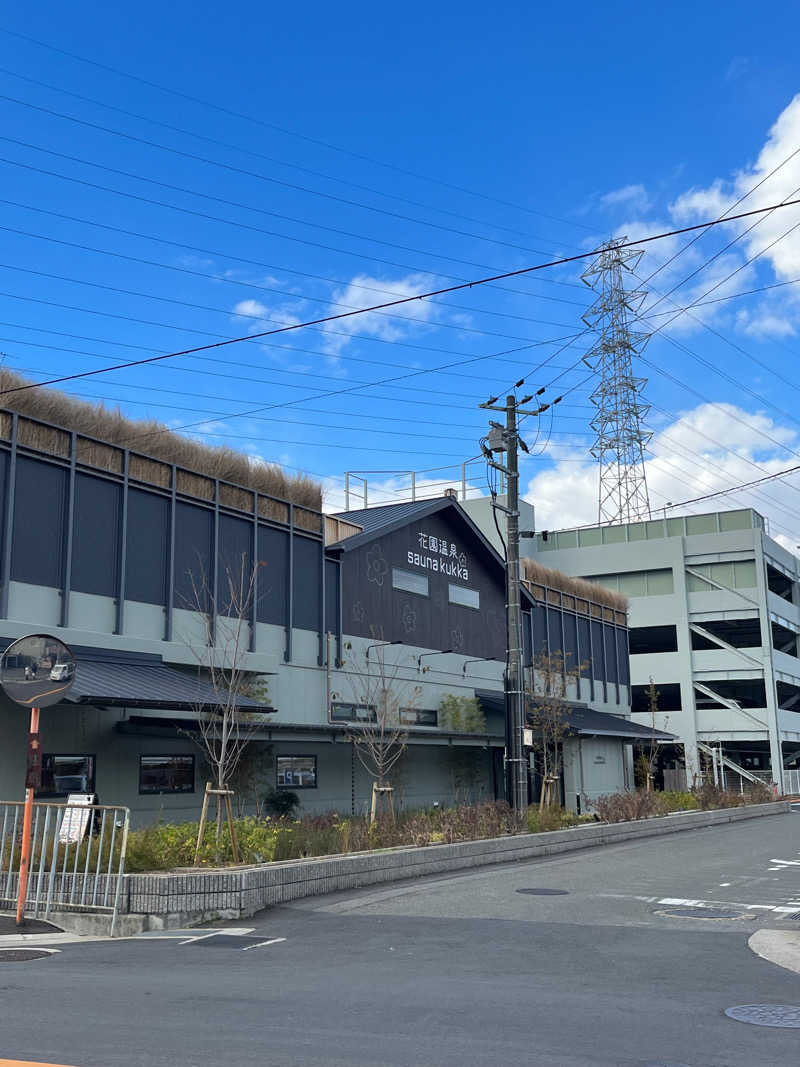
x: 37, y: 671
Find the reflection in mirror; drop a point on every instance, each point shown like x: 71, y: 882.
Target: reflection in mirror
x: 37, y: 671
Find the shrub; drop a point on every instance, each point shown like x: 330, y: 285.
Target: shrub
x: 281, y: 802
x: 623, y: 807
x: 676, y: 800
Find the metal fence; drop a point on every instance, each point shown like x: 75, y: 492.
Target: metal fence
x: 791, y: 782
x: 77, y: 857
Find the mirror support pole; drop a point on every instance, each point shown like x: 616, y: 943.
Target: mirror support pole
x: 34, y: 768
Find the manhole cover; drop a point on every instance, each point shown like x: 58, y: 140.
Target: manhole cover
x: 544, y: 892
x: 704, y: 913
x: 22, y: 955
x: 787, y: 1015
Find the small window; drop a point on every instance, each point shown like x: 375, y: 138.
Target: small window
x: 166, y: 774
x: 297, y: 772
x: 459, y: 594
x: 409, y: 582
x: 419, y: 717
x: 353, y: 713
x: 67, y: 774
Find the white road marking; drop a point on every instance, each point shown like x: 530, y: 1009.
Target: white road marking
x: 787, y: 863
x: 723, y: 884
x: 263, y: 944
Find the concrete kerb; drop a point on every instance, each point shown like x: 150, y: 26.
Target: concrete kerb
x: 182, y: 899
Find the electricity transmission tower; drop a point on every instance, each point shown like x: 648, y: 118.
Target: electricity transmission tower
x: 620, y: 442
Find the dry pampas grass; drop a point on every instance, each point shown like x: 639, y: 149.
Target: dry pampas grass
x: 105, y: 431
x: 578, y: 587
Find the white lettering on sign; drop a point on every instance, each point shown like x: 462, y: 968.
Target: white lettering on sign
x: 451, y: 567
x: 432, y: 543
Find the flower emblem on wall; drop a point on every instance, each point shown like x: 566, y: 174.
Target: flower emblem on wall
x: 377, y: 567
x: 462, y: 559
x: 408, y: 619
x: 456, y: 640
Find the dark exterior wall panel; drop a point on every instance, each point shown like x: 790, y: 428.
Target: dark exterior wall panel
x: 96, y: 535
x: 373, y: 608
x: 235, y: 564
x: 571, y: 657
x: 539, y: 629
x: 622, y: 653
x: 39, y: 523
x: 273, y: 558
x: 147, y: 547
x: 193, y: 536
x: 306, y: 583
x: 331, y: 596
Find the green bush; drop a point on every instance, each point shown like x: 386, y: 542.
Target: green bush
x: 677, y: 800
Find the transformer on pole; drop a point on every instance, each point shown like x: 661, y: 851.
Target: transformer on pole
x: 621, y: 440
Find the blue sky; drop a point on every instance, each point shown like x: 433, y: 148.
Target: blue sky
x: 353, y: 154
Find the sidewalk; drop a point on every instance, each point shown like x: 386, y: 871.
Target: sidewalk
x: 781, y: 947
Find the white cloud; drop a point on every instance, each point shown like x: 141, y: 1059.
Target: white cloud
x: 633, y: 197
x: 709, y: 448
x: 765, y: 323
x: 391, y: 325
x: 782, y: 141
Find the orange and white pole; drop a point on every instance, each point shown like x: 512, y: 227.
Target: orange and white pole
x: 31, y: 783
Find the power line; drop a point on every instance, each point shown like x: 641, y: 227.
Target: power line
x: 280, y: 129
x: 269, y: 159
x: 195, y: 158
x: 156, y: 238
x: 246, y: 207
x: 410, y: 299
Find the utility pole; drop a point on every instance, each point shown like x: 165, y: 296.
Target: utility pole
x: 506, y: 439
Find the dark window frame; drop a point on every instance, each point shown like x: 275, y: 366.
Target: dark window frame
x: 458, y: 603
x: 296, y: 755
x: 410, y: 717
x: 354, y: 719
x: 147, y: 791
x: 412, y: 592
x: 71, y: 756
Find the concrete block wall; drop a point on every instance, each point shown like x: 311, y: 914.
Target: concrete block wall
x: 179, y: 898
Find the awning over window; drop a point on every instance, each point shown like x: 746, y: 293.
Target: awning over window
x: 582, y: 720
x: 139, y: 682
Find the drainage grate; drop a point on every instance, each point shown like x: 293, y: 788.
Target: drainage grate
x: 22, y: 955
x: 786, y: 1015
x: 704, y: 913
x: 544, y: 892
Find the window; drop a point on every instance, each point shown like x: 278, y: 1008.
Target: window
x: 419, y: 717
x: 67, y: 774
x: 166, y: 774
x: 648, y: 639
x: 297, y: 772
x: 410, y: 582
x: 736, y: 574
x: 637, y: 583
x: 459, y: 594
x: 668, y: 695
x: 353, y: 713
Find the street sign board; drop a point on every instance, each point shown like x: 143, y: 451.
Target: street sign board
x: 37, y: 671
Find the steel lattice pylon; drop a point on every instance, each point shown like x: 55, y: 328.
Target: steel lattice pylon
x: 620, y: 442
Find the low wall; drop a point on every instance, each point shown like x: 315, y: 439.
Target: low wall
x: 179, y: 899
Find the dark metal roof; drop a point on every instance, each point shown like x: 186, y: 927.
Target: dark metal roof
x: 586, y: 721
x: 126, y: 683
x: 375, y: 518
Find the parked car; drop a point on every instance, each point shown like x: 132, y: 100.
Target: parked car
x: 62, y: 672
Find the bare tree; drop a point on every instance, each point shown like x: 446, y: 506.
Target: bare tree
x: 379, y: 737
x: 648, y: 757
x: 226, y: 729
x: 548, y: 714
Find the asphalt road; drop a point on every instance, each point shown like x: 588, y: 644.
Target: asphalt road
x: 454, y: 971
